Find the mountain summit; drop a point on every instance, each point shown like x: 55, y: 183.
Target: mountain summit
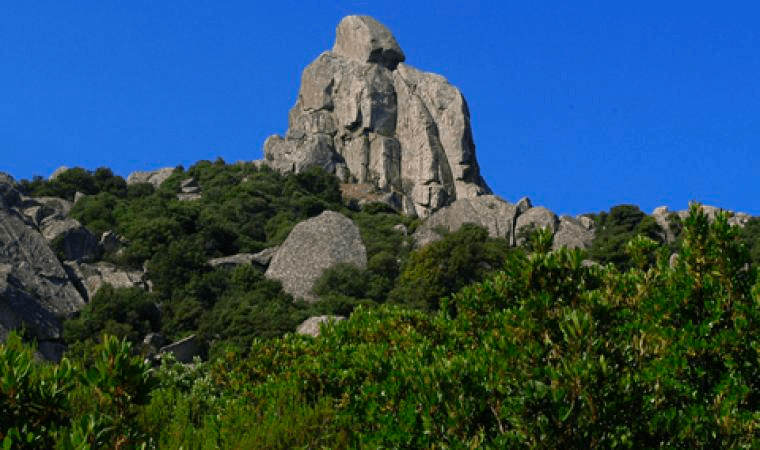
x: 368, y: 117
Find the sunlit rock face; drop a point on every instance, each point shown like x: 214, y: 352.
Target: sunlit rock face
x: 368, y: 117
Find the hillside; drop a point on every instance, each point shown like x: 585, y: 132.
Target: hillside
x: 362, y: 287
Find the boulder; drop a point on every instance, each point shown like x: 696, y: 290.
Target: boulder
x: 189, y: 186
x: 76, y: 242
x: 366, y: 40
x: 57, y: 172
x: 6, y: 178
x: 538, y: 217
x: 155, y: 177
x: 571, y: 233
x: 184, y: 350
x: 93, y: 276
x: 488, y: 211
x: 188, y: 197
x: 368, y: 118
x: 232, y: 261
x: 313, y: 246
x: 661, y: 215
x: 264, y: 257
x: 313, y: 325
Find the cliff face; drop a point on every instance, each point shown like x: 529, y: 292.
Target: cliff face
x: 369, y: 118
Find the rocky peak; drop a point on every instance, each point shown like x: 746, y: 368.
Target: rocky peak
x: 367, y: 117
x: 366, y: 40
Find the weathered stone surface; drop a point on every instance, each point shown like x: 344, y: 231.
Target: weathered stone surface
x: 110, y: 242
x: 264, y: 257
x: 6, y: 178
x: 77, y: 242
x: 184, y: 350
x: 366, y: 40
x: 94, y: 276
x: 57, y: 172
x: 35, y: 290
x: 188, y: 197
x: 523, y: 205
x: 297, y: 155
x: 538, y: 217
x: 155, y: 177
x: 312, y: 326
x: 404, y: 131
x: 661, y: 215
x: 571, y: 233
x: 189, y: 186
x: 9, y: 196
x: 313, y: 246
x: 488, y: 211
x: 232, y: 261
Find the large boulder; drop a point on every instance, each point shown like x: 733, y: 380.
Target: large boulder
x: 313, y: 325
x: 489, y: 211
x: 571, y: 233
x: 313, y: 246
x: 369, y: 118
x: 155, y: 177
x: 533, y: 218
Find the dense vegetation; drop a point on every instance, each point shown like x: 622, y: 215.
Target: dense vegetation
x: 244, y: 208
x: 545, y: 352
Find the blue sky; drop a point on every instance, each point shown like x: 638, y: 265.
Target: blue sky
x: 578, y: 105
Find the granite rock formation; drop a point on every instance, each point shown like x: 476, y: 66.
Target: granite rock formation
x: 35, y: 290
x: 313, y: 246
x: 366, y: 116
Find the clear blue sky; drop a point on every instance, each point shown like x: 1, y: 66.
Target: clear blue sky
x: 578, y: 105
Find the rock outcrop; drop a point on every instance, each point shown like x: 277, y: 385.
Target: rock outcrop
x: 313, y: 325
x: 92, y: 277
x: 35, y: 290
x: 369, y: 118
x: 70, y: 237
x: 505, y: 220
x: 489, y: 211
x: 313, y: 246
x: 155, y: 177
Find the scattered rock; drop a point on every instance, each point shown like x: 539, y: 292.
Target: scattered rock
x: 312, y: 326
x: 188, y: 197
x: 155, y: 177
x: 76, y: 242
x: 57, y: 172
x: 6, y: 178
x: 488, y: 211
x: 184, y: 350
x: 190, y: 186
x: 94, y: 276
x: 264, y: 257
x: 538, y: 217
x: 154, y: 341
x: 572, y: 234
x: 313, y: 246
x: 232, y: 261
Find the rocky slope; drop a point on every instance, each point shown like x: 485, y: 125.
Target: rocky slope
x: 390, y: 132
